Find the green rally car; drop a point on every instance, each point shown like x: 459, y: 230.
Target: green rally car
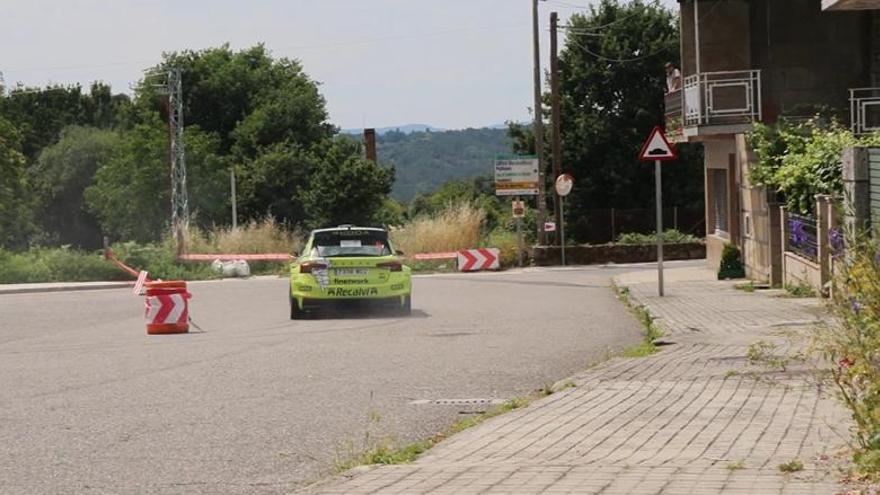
x: 349, y: 267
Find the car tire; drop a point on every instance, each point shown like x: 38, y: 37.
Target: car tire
x: 295, y: 312
x: 406, y: 309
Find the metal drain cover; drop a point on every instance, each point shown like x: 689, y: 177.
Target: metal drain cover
x: 457, y: 402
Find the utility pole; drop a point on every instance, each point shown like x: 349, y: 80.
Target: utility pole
x: 234, y: 199
x: 555, y: 115
x: 538, y: 126
x: 173, y: 88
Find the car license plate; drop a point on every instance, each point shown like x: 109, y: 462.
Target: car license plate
x: 350, y: 271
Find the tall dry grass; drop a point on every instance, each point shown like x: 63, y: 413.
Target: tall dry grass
x: 256, y: 236
x: 458, y: 226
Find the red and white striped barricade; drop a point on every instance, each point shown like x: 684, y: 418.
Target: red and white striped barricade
x: 167, y: 308
x: 474, y: 260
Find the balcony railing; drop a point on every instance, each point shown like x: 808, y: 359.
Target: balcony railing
x: 722, y: 98
x: 864, y: 108
x: 674, y: 115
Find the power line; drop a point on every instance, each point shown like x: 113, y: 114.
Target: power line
x: 340, y: 44
x: 566, y: 4
x: 571, y: 28
x: 620, y: 60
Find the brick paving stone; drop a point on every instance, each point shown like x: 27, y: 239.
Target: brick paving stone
x: 670, y: 423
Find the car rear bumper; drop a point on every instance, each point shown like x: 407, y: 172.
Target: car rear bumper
x: 352, y: 304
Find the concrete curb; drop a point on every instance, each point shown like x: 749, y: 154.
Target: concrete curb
x: 39, y: 288
x: 81, y: 286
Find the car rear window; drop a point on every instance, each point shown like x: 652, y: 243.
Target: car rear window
x: 351, y: 243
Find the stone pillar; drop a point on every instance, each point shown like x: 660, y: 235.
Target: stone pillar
x: 823, y: 254
x: 779, y: 279
x: 833, y: 225
x: 857, y: 190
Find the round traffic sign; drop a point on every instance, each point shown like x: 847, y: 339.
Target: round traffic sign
x: 564, y: 183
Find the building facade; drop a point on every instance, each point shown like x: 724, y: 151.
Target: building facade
x: 748, y: 61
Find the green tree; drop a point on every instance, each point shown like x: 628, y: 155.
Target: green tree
x: 344, y: 187
x: 612, y: 85
x: 60, y: 176
x: 248, y: 98
x: 131, y: 193
x: 15, y: 207
x: 41, y: 114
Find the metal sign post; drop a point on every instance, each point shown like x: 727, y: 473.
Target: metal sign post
x: 517, y: 176
x: 658, y: 149
x: 564, y: 184
x: 658, y: 186
x: 562, y: 227
x: 519, y: 210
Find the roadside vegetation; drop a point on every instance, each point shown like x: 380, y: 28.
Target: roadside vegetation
x: 387, y: 451
x: 652, y: 331
x: 801, y: 159
x: 670, y: 236
x: 851, y: 344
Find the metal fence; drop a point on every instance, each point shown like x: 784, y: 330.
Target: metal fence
x: 599, y: 226
x: 802, y: 236
x: 864, y: 110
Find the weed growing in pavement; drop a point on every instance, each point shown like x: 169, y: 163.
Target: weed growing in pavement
x: 731, y: 373
x: 748, y: 287
x: 566, y: 385
x: 506, y: 407
x: 652, y: 331
x: 386, y: 452
x: 736, y: 465
x: 642, y: 350
x: 799, y: 290
x: 763, y: 352
x: 791, y: 466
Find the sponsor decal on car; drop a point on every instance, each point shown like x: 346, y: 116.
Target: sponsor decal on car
x: 349, y: 281
x: 353, y: 292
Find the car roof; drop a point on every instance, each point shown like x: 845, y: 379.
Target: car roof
x: 347, y: 227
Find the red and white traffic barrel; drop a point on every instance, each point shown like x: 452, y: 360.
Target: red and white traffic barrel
x: 167, y: 307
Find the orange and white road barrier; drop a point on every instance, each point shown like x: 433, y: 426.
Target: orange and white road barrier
x: 473, y: 260
x: 167, y: 308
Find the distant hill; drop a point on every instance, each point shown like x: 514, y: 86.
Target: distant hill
x: 406, y: 129
x: 425, y: 160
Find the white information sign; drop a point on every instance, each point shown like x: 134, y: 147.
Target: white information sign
x: 517, y: 176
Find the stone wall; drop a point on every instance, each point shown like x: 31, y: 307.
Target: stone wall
x: 801, y: 272
x: 616, y: 253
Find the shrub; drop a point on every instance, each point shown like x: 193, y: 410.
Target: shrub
x: 56, y: 265
x: 507, y: 243
x: 802, y: 159
x: 670, y: 236
x: 256, y: 236
x: 852, y: 345
x: 458, y: 226
x: 731, y: 263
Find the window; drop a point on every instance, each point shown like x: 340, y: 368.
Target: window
x: 718, y: 178
x: 351, y: 243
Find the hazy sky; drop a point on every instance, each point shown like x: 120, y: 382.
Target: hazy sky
x: 449, y: 63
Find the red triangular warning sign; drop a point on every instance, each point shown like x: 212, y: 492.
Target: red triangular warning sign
x: 657, y: 147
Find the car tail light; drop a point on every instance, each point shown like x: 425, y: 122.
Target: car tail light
x: 310, y: 266
x: 393, y: 266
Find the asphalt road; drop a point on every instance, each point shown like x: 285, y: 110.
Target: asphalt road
x: 257, y: 403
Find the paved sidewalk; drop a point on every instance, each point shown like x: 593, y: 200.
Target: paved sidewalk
x: 694, y: 418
